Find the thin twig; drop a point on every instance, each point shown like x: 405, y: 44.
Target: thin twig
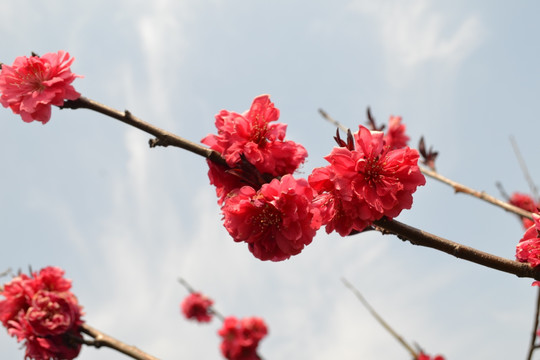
x: 379, y: 318
x: 5, y: 273
x: 101, y: 339
x: 459, y: 188
x: 534, y: 334
x: 524, y: 169
x: 335, y: 122
x: 163, y: 137
x: 192, y: 290
x: 423, y: 238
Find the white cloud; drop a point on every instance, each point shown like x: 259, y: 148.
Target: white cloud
x: 413, y: 33
x: 163, y: 41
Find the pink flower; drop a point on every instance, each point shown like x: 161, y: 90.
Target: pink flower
x: 52, y: 313
x: 241, y: 338
x: 395, y: 137
x: 423, y: 356
x: 41, y: 311
x: 528, y: 248
x: 197, y: 306
x: 31, y: 85
x: 277, y: 221
x: 524, y: 202
x: 364, y: 184
x: 252, y: 136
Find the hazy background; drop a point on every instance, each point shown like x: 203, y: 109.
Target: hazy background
x: 85, y: 192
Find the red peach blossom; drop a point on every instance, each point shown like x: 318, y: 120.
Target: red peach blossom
x: 31, y: 85
x: 277, y: 221
x: 252, y: 137
x: 241, y: 338
x: 197, y: 306
x: 41, y: 311
x: 395, y: 137
x: 524, y: 202
x: 528, y: 248
x: 364, y: 184
x: 52, y: 313
x: 423, y: 356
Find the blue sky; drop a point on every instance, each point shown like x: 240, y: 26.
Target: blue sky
x: 85, y: 192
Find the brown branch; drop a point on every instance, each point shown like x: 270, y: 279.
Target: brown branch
x: 101, y: 339
x: 534, y: 334
x: 422, y: 238
x: 415, y: 236
x: 381, y: 321
x: 163, y: 137
x: 459, y: 188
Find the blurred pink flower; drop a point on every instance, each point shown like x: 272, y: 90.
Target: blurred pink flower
x: 241, y: 338
x: 31, y: 85
x: 277, y: 221
x: 525, y: 202
x: 395, y: 137
x: 423, y: 356
x: 528, y: 248
x: 41, y: 311
x: 197, y: 306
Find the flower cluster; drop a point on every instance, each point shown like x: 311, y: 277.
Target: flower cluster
x: 197, y: 306
x: 525, y: 202
x: 528, y: 248
x: 41, y: 311
x: 365, y: 181
x: 423, y: 356
x: 241, y: 337
x: 263, y: 204
x: 31, y: 85
x: 370, y: 176
x: 276, y: 221
x: 252, y: 139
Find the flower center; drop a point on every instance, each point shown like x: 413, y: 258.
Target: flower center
x: 372, y: 171
x: 268, y: 217
x: 258, y: 131
x: 35, y: 77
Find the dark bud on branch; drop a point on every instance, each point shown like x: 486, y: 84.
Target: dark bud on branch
x: 372, y: 124
x: 429, y: 156
x: 350, y: 140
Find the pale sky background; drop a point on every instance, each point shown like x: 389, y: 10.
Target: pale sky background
x: 85, y: 192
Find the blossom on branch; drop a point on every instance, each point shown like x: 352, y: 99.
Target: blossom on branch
x: 31, y: 85
x: 364, y: 182
x: 395, y: 137
x: 252, y: 137
x: 241, y: 337
x: 525, y: 202
x: 276, y: 221
x: 197, y: 306
x: 423, y: 356
x: 42, y: 311
x: 528, y: 248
